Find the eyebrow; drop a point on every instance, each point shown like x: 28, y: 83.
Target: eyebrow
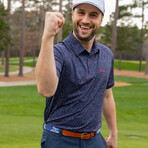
x: 96, y: 13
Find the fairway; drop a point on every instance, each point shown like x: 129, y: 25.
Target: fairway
x: 129, y: 65
x: 21, y: 115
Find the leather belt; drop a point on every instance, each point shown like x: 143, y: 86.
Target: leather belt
x: 84, y: 135
x: 78, y: 135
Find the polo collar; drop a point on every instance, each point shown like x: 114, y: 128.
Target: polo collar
x: 77, y: 47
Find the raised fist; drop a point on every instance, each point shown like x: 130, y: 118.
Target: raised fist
x: 53, y: 22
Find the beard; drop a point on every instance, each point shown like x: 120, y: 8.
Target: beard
x: 78, y: 35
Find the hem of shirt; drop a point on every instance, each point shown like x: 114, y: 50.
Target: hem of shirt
x: 110, y: 86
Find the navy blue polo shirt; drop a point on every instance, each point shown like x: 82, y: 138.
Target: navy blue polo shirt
x: 83, y: 79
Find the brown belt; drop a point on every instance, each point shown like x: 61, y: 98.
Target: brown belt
x: 69, y: 133
x: 78, y: 135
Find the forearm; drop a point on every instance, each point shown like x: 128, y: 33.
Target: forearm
x: 109, y: 113
x: 46, y: 76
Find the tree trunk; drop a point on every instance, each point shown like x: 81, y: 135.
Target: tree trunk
x: 120, y: 59
x: 42, y: 16
x: 3, y: 56
x: 59, y: 37
x: 114, y: 32
x: 22, y: 39
x: 146, y: 68
x: 8, y: 47
x: 141, y: 38
x: 68, y: 12
x: 34, y: 55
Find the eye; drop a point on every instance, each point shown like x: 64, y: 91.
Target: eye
x: 81, y: 12
x: 93, y: 15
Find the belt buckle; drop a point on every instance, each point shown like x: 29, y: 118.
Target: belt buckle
x: 83, y: 135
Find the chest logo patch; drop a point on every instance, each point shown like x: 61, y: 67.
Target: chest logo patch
x: 101, y: 70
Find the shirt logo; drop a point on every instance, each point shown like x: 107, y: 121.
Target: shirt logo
x: 101, y: 70
x: 55, y: 130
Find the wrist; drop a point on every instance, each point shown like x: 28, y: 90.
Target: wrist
x: 47, y: 37
x: 113, y: 133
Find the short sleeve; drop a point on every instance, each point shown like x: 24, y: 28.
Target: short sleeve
x: 58, y: 60
x: 110, y: 82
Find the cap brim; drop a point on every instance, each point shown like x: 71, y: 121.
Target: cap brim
x: 91, y: 3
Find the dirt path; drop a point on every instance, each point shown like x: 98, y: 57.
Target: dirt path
x: 30, y: 76
x: 130, y: 73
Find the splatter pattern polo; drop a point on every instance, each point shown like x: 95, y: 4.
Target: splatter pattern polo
x: 83, y: 79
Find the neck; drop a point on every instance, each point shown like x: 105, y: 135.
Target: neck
x: 86, y: 44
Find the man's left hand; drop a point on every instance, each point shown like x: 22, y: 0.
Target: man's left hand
x: 111, y: 142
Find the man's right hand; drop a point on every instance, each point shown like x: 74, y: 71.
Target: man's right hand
x: 53, y: 22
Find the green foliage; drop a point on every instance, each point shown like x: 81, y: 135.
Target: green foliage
x: 67, y: 28
x: 123, y: 12
x: 127, y: 37
x: 107, y: 35
x: 4, y: 27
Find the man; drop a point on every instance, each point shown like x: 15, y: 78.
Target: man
x: 76, y: 77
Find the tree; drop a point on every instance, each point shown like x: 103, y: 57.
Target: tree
x: 4, y: 27
x: 142, y: 5
x: 127, y: 38
x: 114, y: 32
x: 142, y: 34
x: 145, y: 47
x: 8, y: 47
x: 32, y: 34
x: 59, y: 37
x: 127, y: 41
x: 22, y: 40
x: 67, y: 28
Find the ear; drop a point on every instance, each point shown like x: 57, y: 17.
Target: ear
x: 102, y: 19
x: 72, y: 14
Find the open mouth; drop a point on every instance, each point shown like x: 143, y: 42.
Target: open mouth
x: 84, y: 27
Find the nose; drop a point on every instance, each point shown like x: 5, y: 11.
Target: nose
x: 85, y: 19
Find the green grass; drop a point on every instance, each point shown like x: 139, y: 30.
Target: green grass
x: 130, y: 80
x: 132, y: 109
x: 21, y: 115
x: 28, y: 61
x: 16, y: 59
x: 11, y: 68
x: 30, y: 64
x: 129, y: 65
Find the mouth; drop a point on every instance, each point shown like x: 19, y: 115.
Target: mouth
x: 85, y: 27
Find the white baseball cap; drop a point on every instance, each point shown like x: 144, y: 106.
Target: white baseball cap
x: 100, y: 4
